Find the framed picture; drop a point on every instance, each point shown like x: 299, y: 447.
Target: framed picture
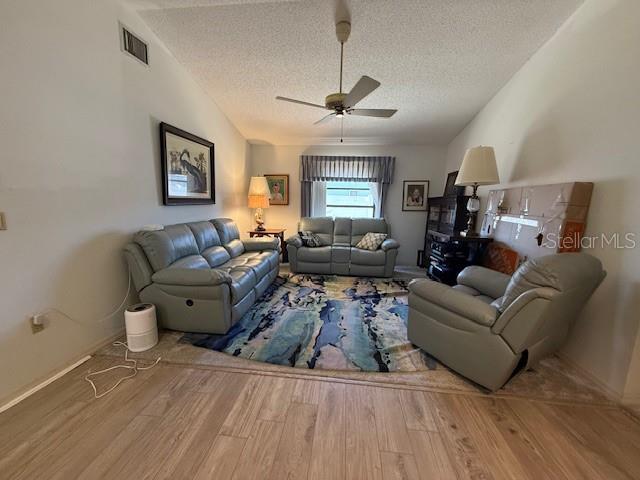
x: 450, y: 188
x: 279, y: 189
x: 188, y: 176
x: 414, y: 195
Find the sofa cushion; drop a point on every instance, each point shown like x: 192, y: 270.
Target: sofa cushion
x: 205, y: 234
x: 371, y: 241
x: 315, y: 255
x: 216, y: 256
x: 243, y: 279
x: 235, y: 248
x: 272, y: 258
x: 367, y: 257
x: 190, y: 261
x: 163, y: 247
x: 322, y: 226
x: 563, y: 272
x: 227, y: 229
x: 361, y: 226
x: 342, y: 230
x: 340, y: 253
x: 229, y: 236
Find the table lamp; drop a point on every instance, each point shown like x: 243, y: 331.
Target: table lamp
x: 258, y: 198
x: 478, y: 168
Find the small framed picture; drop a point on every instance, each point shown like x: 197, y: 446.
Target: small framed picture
x: 450, y: 188
x: 187, y: 161
x: 414, y: 195
x: 279, y: 189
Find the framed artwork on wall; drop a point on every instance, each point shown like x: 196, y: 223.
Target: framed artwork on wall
x: 278, y: 188
x: 414, y: 195
x: 188, y: 176
x: 450, y: 188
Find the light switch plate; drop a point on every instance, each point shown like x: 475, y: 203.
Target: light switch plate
x: 3, y: 221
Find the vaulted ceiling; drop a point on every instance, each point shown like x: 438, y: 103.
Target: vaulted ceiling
x: 439, y: 61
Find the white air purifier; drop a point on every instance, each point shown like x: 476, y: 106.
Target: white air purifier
x: 142, y: 328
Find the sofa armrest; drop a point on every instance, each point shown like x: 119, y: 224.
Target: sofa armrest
x: 261, y: 243
x: 454, y: 301
x: 389, y: 243
x: 191, y: 277
x: 295, y: 241
x: 488, y: 282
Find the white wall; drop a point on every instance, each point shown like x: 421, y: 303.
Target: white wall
x: 572, y: 114
x: 416, y: 162
x: 80, y: 171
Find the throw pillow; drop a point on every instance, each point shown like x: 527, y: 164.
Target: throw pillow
x: 371, y: 241
x: 310, y: 239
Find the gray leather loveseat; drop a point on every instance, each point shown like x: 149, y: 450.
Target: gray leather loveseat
x: 490, y: 325
x: 201, y: 276
x: 338, y: 253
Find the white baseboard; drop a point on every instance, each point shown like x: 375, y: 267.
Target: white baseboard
x: 52, y: 377
x: 40, y: 386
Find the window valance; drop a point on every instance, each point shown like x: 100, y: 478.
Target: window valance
x: 323, y: 168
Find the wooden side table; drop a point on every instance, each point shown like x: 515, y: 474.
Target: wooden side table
x: 276, y: 233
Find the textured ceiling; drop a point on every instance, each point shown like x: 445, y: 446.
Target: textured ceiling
x: 439, y: 61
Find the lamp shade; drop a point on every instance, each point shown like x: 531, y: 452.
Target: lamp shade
x: 259, y: 186
x: 258, y: 201
x: 478, y: 167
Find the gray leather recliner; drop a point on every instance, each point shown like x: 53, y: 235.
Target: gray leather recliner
x: 490, y: 325
x: 338, y: 254
x: 200, y: 276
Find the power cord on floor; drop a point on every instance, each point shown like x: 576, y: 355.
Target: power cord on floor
x: 134, y: 368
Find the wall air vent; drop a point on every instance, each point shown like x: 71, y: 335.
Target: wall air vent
x: 133, y: 45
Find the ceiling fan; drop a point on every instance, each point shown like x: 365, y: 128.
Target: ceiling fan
x: 343, y: 103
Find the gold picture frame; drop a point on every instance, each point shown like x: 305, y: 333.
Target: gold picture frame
x: 278, y: 188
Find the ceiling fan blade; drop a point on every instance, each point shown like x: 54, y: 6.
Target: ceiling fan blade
x: 325, y: 118
x: 373, y: 112
x: 364, y: 87
x: 301, y: 102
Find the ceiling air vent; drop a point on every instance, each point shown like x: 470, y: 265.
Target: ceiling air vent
x: 133, y: 45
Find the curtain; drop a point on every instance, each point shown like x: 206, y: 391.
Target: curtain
x: 318, y: 199
x: 305, y: 199
x: 320, y: 168
x: 375, y: 189
x: 346, y: 169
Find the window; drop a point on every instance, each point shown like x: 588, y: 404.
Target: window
x: 349, y: 199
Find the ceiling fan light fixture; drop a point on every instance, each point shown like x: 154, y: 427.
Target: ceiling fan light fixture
x: 339, y: 114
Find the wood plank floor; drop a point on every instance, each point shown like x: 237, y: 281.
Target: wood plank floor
x: 184, y: 423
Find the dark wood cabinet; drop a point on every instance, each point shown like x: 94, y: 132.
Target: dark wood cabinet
x: 446, y: 253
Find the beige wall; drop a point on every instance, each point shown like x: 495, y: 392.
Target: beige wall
x: 572, y: 113
x: 80, y: 171
x: 417, y: 162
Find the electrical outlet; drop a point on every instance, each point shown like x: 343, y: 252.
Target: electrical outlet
x: 37, y: 323
x: 3, y: 221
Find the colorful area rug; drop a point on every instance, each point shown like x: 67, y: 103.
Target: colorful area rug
x: 325, y: 322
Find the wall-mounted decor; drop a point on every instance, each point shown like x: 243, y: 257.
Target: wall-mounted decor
x: 414, y: 195
x: 450, y: 188
x: 188, y: 176
x: 279, y: 189
x: 539, y: 220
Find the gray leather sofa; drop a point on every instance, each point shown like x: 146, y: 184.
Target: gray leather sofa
x: 490, y: 325
x: 201, y: 276
x: 338, y: 254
